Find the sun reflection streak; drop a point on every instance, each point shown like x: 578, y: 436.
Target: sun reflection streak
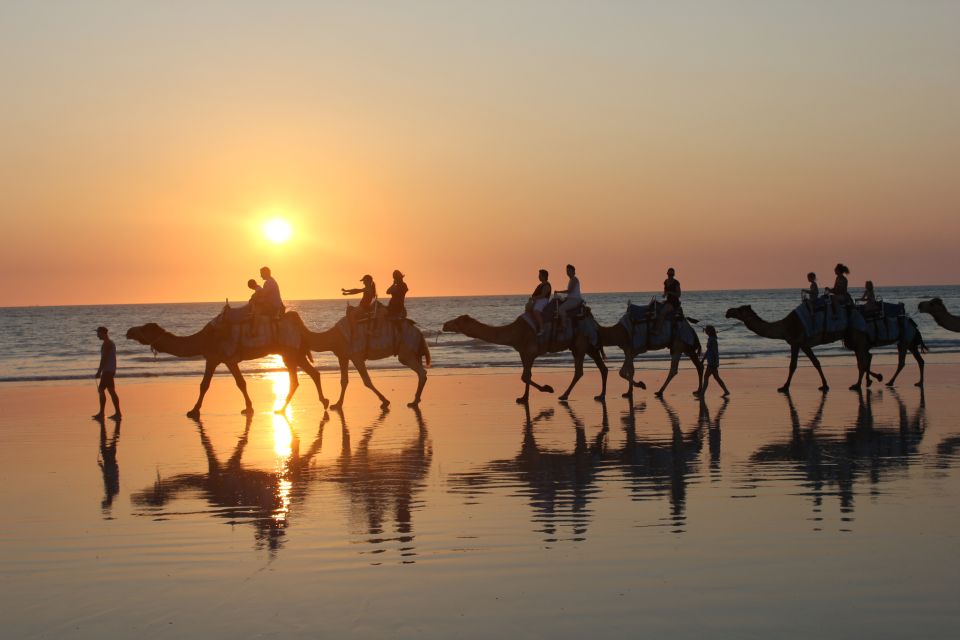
x: 283, y: 442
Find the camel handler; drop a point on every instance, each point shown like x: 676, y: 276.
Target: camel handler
x: 105, y: 374
x: 269, y: 301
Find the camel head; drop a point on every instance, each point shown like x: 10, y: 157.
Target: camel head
x: 145, y: 334
x: 740, y: 313
x: 934, y: 305
x: 456, y: 325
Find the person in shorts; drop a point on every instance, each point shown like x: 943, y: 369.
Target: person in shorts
x: 106, y: 373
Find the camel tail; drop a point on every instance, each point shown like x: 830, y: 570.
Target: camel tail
x: 425, y: 351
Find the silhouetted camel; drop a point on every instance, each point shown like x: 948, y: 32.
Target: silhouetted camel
x: 619, y: 336
x: 207, y: 344
x: 336, y: 341
x: 522, y: 337
x: 941, y: 316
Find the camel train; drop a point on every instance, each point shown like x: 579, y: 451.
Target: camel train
x: 639, y: 330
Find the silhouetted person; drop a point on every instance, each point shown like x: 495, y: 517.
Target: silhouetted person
x: 269, y: 300
x: 369, y: 292
x: 398, y: 293
x: 839, y: 293
x: 812, y: 292
x: 869, y: 297
x: 574, y: 297
x: 105, y: 373
x: 671, y: 295
x: 712, y: 359
x: 540, y: 298
x: 253, y: 304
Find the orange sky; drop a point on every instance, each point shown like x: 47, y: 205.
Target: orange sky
x: 745, y: 144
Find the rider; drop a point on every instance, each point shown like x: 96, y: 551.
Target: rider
x: 268, y: 298
x: 369, y: 292
x: 574, y: 298
x: 398, y: 292
x: 838, y: 292
x: 540, y: 298
x: 869, y: 298
x: 813, y: 291
x: 671, y: 294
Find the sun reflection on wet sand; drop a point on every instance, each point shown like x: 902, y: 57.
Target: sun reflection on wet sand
x: 283, y: 438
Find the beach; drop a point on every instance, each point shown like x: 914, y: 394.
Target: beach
x: 475, y: 517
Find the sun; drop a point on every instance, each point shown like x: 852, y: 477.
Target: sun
x: 277, y: 230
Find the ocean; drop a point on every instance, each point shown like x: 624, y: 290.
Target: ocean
x: 58, y: 343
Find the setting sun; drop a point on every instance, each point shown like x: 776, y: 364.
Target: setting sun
x: 277, y: 230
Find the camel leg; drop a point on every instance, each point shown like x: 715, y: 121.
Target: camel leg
x: 242, y: 385
x: 699, y: 365
x: 413, y: 361
x: 294, y: 383
x: 674, y: 366
x: 811, y: 356
x: 915, y: 350
x: 602, y: 367
x: 627, y: 372
x: 527, y: 377
x: 344, y: 381
x: 863, y: 365
x: 794, y: 353
x: 901, y: 362
x: 311, y: 371
x: 361, y: 366
x: 208, y: 370
x: 577, y: 374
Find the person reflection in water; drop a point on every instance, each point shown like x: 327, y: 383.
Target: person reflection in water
x: 107, y: 461
x: 105, y: 374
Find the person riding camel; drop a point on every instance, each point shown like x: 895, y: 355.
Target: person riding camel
x: 398, y: 293
x: 369, y: 299
x: 813, y: 291
x: 869, y: 298
x: 574, y: 297
x: 671, y: 295
x: 269, y: 301
x: 839, y: 295
x: 540, y: 298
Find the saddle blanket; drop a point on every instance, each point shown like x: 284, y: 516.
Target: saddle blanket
x: 579, y: 322
x: 254, y: 331
x: 822, y: 319
x: 378, y: 333
x: 640, y: 320
x: 887, y: 324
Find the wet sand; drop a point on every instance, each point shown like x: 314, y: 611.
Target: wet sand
x: 765, y: 516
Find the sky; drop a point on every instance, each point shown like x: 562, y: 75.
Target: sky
x: 145, y: 145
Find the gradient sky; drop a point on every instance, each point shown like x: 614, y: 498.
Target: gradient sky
x: 469, y: 144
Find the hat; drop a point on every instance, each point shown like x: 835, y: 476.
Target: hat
x: 366, y: 277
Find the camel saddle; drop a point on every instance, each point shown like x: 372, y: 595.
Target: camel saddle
x: 641, y: 320
x: 253, y: 331
x: 376, y: 332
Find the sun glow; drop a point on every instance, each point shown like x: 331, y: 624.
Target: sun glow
x: 277, y: 230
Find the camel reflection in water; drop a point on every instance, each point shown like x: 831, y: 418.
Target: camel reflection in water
x: 833, y: 463
x: 382, y: 484
x: 561, y: 484
x: 374, y: 482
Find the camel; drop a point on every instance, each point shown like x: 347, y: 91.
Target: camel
x: 336, y: 341
x: 619, y: 336
x: 522, y: 337
x: 791, y: 330
x: 941, y: 316
x: 206, y: 343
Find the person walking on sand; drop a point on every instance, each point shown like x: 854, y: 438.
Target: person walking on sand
x: 397, y: 309
x: 712, y: 359
x: 105, y: 374
x: 574, y: 297
x: 540, y: 298
x: 269, y: 300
